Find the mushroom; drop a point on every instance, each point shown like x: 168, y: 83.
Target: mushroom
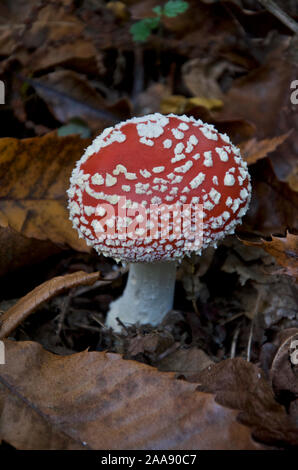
x: 150, y: 191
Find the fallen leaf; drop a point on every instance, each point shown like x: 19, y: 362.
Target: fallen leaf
x: 253, y: 150
x: 283, y: 249
x: 32, y: 301
x: 180, y: 104
x: 273, y: 207
x: 263, y: 97
x: 35, y: 176
x: 241, y: 385
x: 292, y: 179
x: 284, y: 369
x: 201, y: 76
x: 100, y: 401
x: 18, y: 251
x: 69, y: 95
x: 186, y: 362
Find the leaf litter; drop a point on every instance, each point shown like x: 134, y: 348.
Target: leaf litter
x: 218, y: 372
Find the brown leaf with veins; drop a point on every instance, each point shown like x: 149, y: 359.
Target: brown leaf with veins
x: 253, y: 150
x: 241, y: 385
x: 263, y: 97
x: 283, y: 249
x: 32, y: 301
x: 35, y: 176
x: 97, y: 400
x: 69, y: 95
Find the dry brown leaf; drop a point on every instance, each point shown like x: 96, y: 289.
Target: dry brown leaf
x: 292, y: 179
x: 284, y: 367
x: 30, y: 302
x: 69, y: 95
x: 273, y: 208
x: 253, y: 150
x: 41, y: 38
x: 35, y: 176
x: 100, y: 401
x: 18, y: 251
x: 241, y: 385
x: 186, y: 362
x: 283, y: 249
x: 179, y: 104
x: 263, y: 97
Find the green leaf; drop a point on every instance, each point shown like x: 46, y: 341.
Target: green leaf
x: 75, y: 126
x: 157, y: 10
x: 142, y: 29
x: 174, y: 7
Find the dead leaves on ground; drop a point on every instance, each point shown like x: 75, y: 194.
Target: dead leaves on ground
x: 98, y: 400
x: 283, y: 249
x: 34, y: 177
x: 253, y: 150
x: 32, y: 301
x: 239, y: 384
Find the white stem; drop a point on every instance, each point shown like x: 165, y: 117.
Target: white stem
x: 147, y: 297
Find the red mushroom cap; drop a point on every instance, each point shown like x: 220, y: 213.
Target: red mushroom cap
x: 157, y: 160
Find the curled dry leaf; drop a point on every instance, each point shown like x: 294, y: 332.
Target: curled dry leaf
x: 283, y: 249
x: 241, y: 385
x: 69, y: 95
x: 30, y: 302
x: 35, y: 175
x: 45, y: 36
x: 284, y: 369
x: 100, y: 401
x: 254, y: 97
x: 253, y: 150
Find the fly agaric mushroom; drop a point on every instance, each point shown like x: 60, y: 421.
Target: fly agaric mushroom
x: 144, y: 163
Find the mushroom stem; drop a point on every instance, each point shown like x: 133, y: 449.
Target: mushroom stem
x: 147, y: 297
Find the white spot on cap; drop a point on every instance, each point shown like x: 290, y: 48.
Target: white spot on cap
x: 167, y: 143
x: 110, y: 180
x: 145, y: 173
x: 229, y: 201
x: 97, y: 179
x: 193, y: 140
x: 222, y: 154
x: 207, y: 131
x: 179, y: 148
x: 208, y: 159
x: 184, y: 168
x: 197, y: 181
x: 229, y: 180
x: 215, y: 195
x: 100, y: 211
x: 146, y: 141
x: 177, y: 134
x: 183, y: 126
x: 158, y: 169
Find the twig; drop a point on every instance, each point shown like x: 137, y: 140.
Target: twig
x: 234, y: 342
x: 28, y: 304
x: 276, y: 11
x: 256, y: 309
x: 64, y: 310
